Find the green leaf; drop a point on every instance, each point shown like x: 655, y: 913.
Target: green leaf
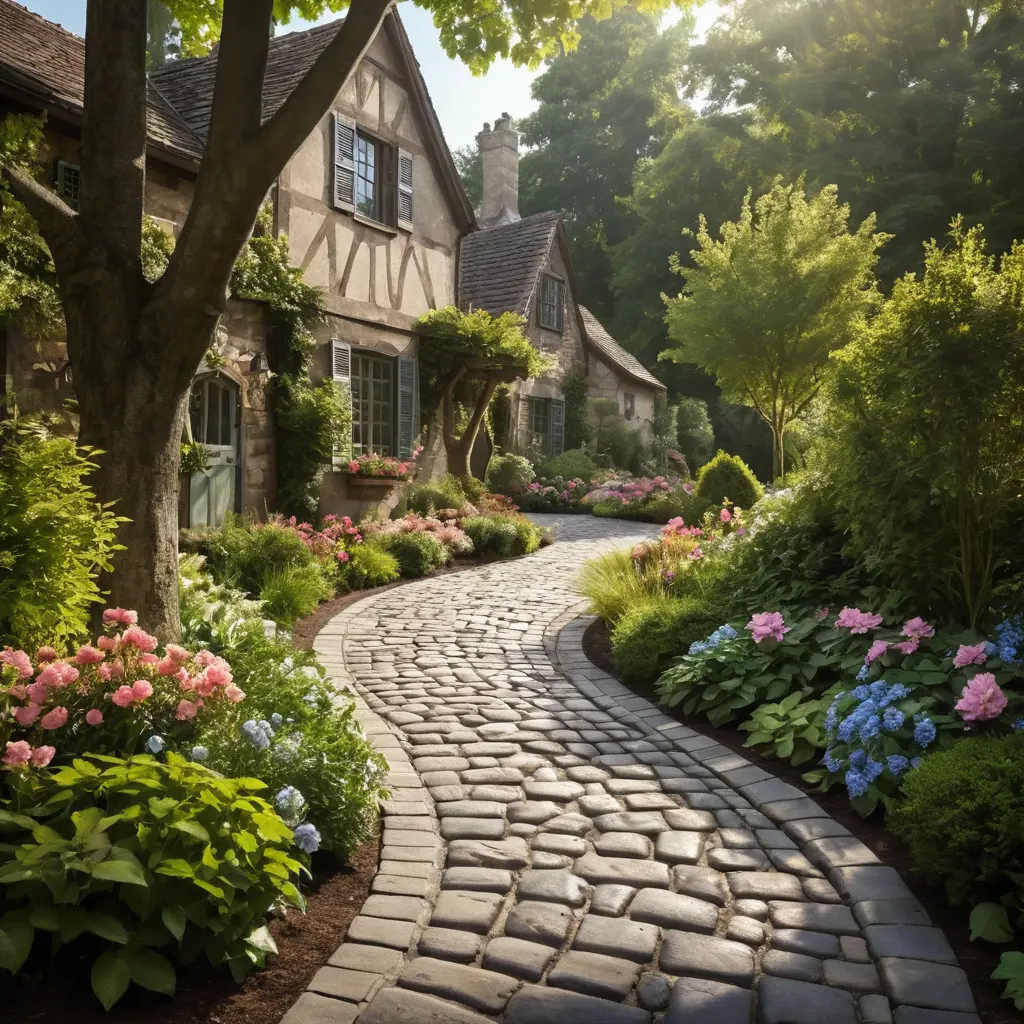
x: 213, y: 890
x: 162, y: 807
x: 262, y: 939
x: 990, y: 921
x: 120, y: 871
x: 107, y: 927
x: 110, y: 978
x: 21, y: 820
x: 192, y: 828
x: 175, y: 867
x: 45, y: 917
x: 174, y: 919
x: 152, y: 971
x: 16, y: 935
x: 1011, y: 966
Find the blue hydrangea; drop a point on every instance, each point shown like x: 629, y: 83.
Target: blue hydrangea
x: 255, y: 735
x: 310, y: 697
x: 846, y: 728
x: 990, y: 648
x: 276, y: 720
x: 831, y: 762
x: 870, y: 728
x: 698, y: 647
x: 290, y: 803
x: 199, y: 754
x: 924, y: 731
x: 862, y: 692
x: 832, y: 716
x: 893, y: 719
x: 155, y: 744
x: 878, y: 689
x: 858, y: 758
x: 914, y: 762
x: 897, y: 763
x: 728, y: 632
x: 1009, y: 638
x: 895, y: 692
x: 873, y: 769
x: 1018, y: 725
x: 856, y: 783
x: 307, y: 838
x: 266, y: 727
x: 865, y: 670
x: 286, y: 749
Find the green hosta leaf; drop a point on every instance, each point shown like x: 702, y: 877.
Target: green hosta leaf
x: 990, y: 921
x: 1011, y: 970
x: 784, y: 748
x: 152, y: 971
x: 262, y: 939
x: 45, y: 917
x: 107, y: 927
x: 130, y: 872
x: 110, y: 978
x: 174, y: 919
x: 162, y: 807
x: 193, y: 829
x: 20, y: 820
x: 175, y: 868
x: 16, y: 935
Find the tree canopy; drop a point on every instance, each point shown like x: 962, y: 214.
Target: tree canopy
x: 771, y: 297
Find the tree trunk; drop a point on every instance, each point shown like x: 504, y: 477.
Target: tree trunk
x: 459, y: 450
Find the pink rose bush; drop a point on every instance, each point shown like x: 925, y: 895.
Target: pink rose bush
x: 384, y: 466
x: 106, y: 697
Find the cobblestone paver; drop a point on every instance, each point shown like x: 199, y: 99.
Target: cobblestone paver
x: 556, y: 849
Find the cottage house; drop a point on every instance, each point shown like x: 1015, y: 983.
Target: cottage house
x: 376, y: 217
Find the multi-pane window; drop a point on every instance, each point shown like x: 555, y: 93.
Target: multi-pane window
x: 69, y: 183
x: 373, y: 404
x: 628, y: 405
x: 366, y: 177
x: 552, y: 299
x: 211, y: 407
x: 371, y: 177
x: 539, y: 421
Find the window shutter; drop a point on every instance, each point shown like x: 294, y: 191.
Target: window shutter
x: 343, y: 192
x: 557, y: 426
x: 408, y: 401
x: 341, y: 371
x: 560, y: 306
x: 404, y: 197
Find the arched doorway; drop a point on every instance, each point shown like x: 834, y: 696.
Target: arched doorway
x: 213, y: 409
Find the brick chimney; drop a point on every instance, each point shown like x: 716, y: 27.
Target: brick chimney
x: 499, y: 155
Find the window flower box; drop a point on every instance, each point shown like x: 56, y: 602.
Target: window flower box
x: 386, y: 469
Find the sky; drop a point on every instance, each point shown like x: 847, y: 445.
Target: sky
x: 463, y: 101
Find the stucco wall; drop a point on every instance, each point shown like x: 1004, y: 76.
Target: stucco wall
x: 606, y: 381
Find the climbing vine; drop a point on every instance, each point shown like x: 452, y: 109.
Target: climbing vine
x: 574, y: 388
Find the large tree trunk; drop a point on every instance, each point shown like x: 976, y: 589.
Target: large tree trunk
x: 459, y: 450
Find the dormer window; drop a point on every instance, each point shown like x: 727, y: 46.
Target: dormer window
x: 552, y: 302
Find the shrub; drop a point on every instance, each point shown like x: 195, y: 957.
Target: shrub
x: 726, y: 477
x: 248, y: 553
x: 963, y: 817
x: 55, y: 538
x: 417, y: 554
x: 294, y: 591
x: 793, y: 729
x: 371, y: 566
x: 508, y: 473
x: 570, y: 465
x: 429, y: 497
x: 694, y: 432
x: 502, y: 536
x: 613, y: 585
x: 144, y: 856
x: 655, y: 630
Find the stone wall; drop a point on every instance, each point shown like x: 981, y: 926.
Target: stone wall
x: 606, y: 381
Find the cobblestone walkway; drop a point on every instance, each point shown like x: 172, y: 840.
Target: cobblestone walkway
x: 557, y: 850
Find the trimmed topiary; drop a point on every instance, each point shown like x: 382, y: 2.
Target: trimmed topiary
x: 507, y: 474
x: 727, y: 477
x: 963, y: 817
x: 428, y: 497
x: 571, y: 465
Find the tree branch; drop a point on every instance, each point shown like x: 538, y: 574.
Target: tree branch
x: 480, y: 409
x: 286, y: 130
x: 448, y: 408
x: 58, y: 223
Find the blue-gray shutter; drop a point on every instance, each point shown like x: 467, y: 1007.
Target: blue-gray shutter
x: 341, y: 371
x: 408, y: 402
x: 343, y: 163
x: 403, y: 181
x: 557, y: 426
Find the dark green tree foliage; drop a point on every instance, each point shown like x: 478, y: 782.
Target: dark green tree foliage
x: 471, y: 171
x: 602, y: 108
x: 694, y: 434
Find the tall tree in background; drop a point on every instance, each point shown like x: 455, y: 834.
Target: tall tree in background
x: 471, y: 171
x: 769, y: 299
x: 163, y: 36
x: 613, y: 101
x: 134, y: 346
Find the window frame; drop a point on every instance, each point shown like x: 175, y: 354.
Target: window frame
x: 538, y: 408
x: 227, y: 387
x: 356, y: 381
x: 556, y: 303
x: 66, y: 170
x: 628, y: 405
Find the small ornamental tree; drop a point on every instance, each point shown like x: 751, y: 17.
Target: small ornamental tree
x: 463, y: 358
x: 769, y: 299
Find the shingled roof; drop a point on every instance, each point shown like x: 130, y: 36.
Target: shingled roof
x: 498, y: 267
x: 614, y: 352
x: 45, y: 62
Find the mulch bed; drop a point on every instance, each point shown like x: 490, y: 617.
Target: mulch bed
x: 976, y: 958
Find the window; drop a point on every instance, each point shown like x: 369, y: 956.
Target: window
x: 628, y: 405
x: 69, y: 183
x: 538, y: 421
x: 211, y: 408
x: 552, y: 299
x: 373, y: 404
x: 371, y: 177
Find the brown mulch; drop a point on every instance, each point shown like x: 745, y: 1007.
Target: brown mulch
x: 978, y: 959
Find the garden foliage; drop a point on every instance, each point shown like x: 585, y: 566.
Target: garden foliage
x: 727, y: 478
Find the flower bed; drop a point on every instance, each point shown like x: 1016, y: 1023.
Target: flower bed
x: 383, y: 467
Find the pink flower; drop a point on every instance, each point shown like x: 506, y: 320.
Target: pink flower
x: 234, y: 694
x: 166, y: 666
x: 120, y: 616
x: 28, y: 714
x: 123, y: 697
x: 66, y: 674
x: 725, y: 515
x: 918, y: 629
x: 821, y: 613
x: 696, y: 553
x: 19, y: 691
x: 640, y: 552
x: 857, y: 621
x: 54, y: 719
x: 141, y: 689
x: 18, y: 754
x: 135, y: 637
x: 104, y: 672
x: 116, y: 669
x: 18, y: 660
x: 970, y: 655
x: 94, y: 716
x: 186, y: 709
x: 148, y: 659
x: 42, y: 756
x: 741, y: 531
x: 353, y: 466
x: 907, y: 646
x: 107, y: 643
x: 205, y: 657
x: 45, y: 654
x: 767, y: 626
x: 342, y: 556
x: 88, y: 655
x: 178, y: 654
x: 981, y: 699
x: 875, y: 651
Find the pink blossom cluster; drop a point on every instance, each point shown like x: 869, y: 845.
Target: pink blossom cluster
x: 982, y: 699
x: 447, y: 531
x: 373, y: 464
x: 970, y: 654
x: 331, y: 541
x: 677, y: 528
x: 624, y: 488
x: 21, y: 754
x: 857, y: 621
x: 767, y: 626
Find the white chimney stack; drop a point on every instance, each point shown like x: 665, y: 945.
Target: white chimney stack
x: 499, y: 155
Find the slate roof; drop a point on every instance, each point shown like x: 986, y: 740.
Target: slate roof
x: 46, y: 62
x: 498, y: 267
x: 614, y: 352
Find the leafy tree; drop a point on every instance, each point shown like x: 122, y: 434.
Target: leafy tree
x: 471, y: 171
x: 782, y: 287
x: 163, y: 37
x: 602, y: 108
x: 133, y: 345
x: 694, y: 433
x: 464, y: 357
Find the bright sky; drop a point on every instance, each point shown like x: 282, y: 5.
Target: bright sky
x: 463, y: 102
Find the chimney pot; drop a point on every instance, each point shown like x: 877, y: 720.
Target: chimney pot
x: 499, y: 157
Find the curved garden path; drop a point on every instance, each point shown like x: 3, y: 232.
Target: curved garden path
x: 557, y: 850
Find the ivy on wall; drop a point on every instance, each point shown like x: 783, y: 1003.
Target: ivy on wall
x: 574, y: 390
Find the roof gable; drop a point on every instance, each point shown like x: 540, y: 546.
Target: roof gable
x: 614, y: 353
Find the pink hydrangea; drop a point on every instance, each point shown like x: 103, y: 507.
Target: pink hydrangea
x: 107, y: 643
x: 982, y: 699
x: 18, y: 754
x: 342, y: 556
x: 148, y: 659
x: 104, y: 672
x: 94, y: 716
x: 178, y: 654
x: 234, y: 694
x: 45, y: 654
x: 123, y: 697
x: 19, y: 691
x: 142, y: 689
x: 88, y: 655
x: 55, y: 718
x: 907, y: 646
x: 120, y: 617
x: 725, y: 515
x: 696, y: 553
x: 42, y: 756
x: 139, y: 638
x: 918, y: 629
x: 767, y: 626
x: 166, y: 666
x: 26, y: 715
x: 66, y: 674
x: 970, y: 654
x: 875, y: 651
x: 821, y: 613
x: 857, y: 621
x: 38, y: 692
x: 187, y: 709
x: 18, y: 660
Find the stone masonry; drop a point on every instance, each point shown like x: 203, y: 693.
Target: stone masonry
x: 556, y: 849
